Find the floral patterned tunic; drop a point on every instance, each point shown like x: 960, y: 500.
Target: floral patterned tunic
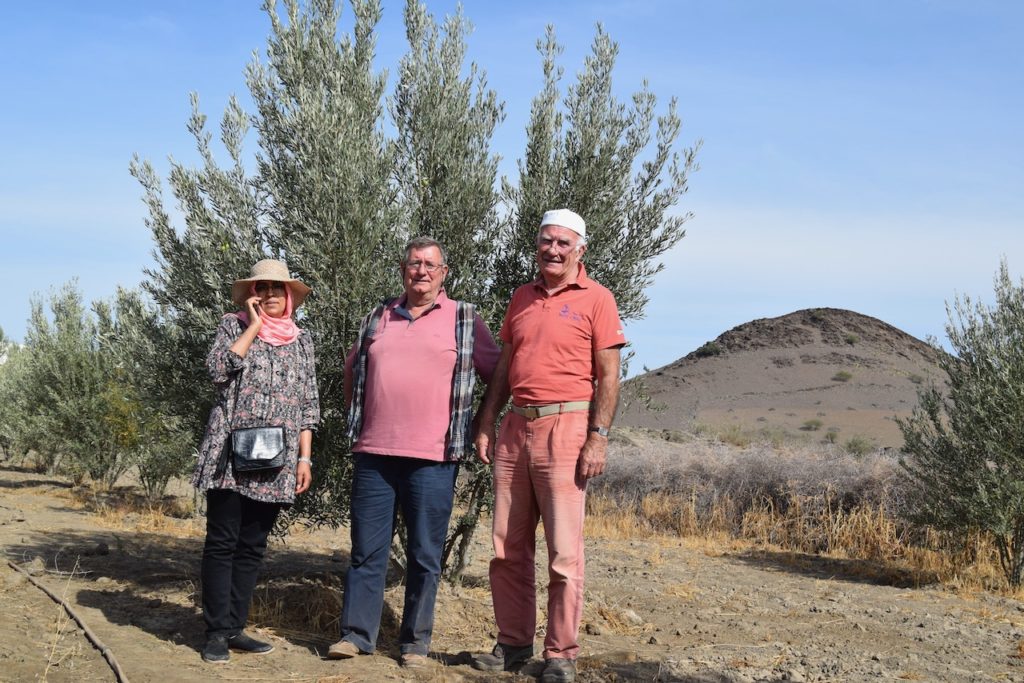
x: 271, y: 386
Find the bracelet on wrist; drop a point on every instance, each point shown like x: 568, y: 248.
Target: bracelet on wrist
x: 306, y: 460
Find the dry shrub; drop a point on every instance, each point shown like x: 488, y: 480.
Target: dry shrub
x: 966, y: 563
x: 818, y: 524
x: 802, y: 499
x: 607, y: 519
x: 865, y: 533
x: 717, y: 484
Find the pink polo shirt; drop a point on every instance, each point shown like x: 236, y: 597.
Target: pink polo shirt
x: 410, y: 364
x: 554, y: 338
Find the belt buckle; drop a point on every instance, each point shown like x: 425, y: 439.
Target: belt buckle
x: 529, y: 412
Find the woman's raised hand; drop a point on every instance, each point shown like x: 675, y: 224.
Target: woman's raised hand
x: 252, y: 304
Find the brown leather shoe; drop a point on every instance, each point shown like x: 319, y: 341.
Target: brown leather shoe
x: 411, y: 660
x: 343, y: 649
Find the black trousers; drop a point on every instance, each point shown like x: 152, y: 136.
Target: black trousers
x: 236, y: 539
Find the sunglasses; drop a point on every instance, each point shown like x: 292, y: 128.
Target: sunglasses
x: 262, y: 288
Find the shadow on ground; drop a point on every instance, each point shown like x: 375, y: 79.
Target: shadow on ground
x: 34, y: 483
x: 151, y: 581
x: 830, y: 568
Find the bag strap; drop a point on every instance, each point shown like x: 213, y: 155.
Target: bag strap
x: 229, y: 409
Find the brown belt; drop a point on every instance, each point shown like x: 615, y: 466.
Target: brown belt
x: 533, y: 412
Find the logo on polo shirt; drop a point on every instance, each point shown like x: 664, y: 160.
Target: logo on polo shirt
x: 569, y: 314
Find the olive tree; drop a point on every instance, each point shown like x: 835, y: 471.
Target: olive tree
x: 14, y: 410
x: 445, y: 171
x: 964, y: 443
x: 83, y: 392
x: 143, y: 415
x: 325, y: 169
x: 594, y: 154
x: 69, y: 389
x: 189, y: 285
x: 345, y: 173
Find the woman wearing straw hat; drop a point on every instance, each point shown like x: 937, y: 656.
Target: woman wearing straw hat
x: 262, y: 366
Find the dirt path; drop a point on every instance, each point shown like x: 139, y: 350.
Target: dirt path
x: 656, y: 611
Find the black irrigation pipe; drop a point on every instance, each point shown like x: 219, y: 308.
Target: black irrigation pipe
x: 97, y: 643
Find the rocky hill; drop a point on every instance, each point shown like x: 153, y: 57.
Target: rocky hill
x: 815, y: 374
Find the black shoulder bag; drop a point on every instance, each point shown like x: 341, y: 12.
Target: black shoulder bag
x: 254, y: 449
x: 257, y: 448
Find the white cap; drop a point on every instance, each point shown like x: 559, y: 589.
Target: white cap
x: 565, y: 218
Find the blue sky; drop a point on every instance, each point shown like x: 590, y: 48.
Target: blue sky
x: 864, y: 155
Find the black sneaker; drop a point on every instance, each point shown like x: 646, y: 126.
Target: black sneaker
x: 503, y: 658
x: 216, y: 650
x: 245, y: 643
x: 559, y: 671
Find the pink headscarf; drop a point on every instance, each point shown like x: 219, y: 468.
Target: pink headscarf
x: 274, y: 331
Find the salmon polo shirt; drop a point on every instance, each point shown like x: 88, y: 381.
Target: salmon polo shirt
x: 407, y: 404
x: 554, y: 339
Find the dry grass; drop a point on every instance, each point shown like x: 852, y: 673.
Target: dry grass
x: 57, y: 653
x: 866, y: 534
x: 305, y: 608
x: 124, y: 509
x: 820, y: 502
x: 687, y: 591
x: 149, y: 519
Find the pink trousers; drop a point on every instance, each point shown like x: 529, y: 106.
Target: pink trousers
x: 535, y: 479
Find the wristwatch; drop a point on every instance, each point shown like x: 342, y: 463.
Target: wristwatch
x: 601, y: 431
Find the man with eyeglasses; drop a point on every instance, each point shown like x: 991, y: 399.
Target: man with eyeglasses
x: 560, y: 363
x: 409, y: 381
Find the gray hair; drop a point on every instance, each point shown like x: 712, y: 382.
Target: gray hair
x: 424, y: 243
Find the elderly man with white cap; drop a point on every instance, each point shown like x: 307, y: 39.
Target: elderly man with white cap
x: 560, y: 363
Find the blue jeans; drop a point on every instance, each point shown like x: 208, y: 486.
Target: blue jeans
x: 423, y: 490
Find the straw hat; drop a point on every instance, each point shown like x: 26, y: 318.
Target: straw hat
x: 270, y: 270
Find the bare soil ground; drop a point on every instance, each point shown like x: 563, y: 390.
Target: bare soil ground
x: 657, y: 610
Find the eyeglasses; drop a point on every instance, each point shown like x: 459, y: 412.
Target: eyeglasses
x: 413, y: 266
x: 276, y: 287
x: 560, y: 244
